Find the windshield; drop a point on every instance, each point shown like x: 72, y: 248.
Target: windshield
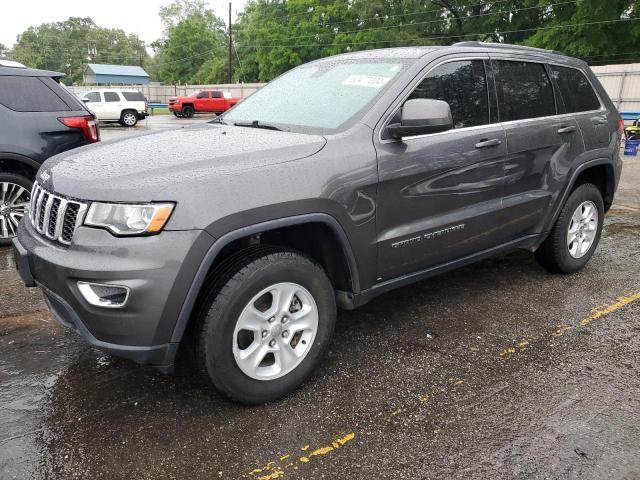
x: 194, y: 94
x: 319, y: 97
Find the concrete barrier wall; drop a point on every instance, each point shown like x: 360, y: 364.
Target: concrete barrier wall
x: 162, y: 93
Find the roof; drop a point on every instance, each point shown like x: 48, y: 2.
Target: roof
x: 28, y: 72
x: 123, y: 70
x: 10, y: 63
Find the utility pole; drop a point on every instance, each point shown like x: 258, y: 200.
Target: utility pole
x: 230, y: 46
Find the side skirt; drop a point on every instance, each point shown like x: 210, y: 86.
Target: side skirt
x: 350, y: 301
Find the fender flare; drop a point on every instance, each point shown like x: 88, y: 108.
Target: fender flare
x: 21, y: 159
x: 198, y: 281
x: 574, y: 177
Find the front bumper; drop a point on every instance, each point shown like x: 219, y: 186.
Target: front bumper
x: 175, y: 107
x: 157, y: 269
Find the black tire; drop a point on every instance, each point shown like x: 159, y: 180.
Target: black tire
x: 188, y: 111
x: 233, y: 284
x: 554, y: 254
x: 128, y: 118
x: 16, y: 179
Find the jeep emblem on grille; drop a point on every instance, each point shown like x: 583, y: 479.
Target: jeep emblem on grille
x: 45, y: 176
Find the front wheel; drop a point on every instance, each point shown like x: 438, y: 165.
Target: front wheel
x: 15, y: 193
x: 265, y: 325
x: 576, y: 233
x: 188, y: 111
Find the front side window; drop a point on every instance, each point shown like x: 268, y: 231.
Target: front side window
x: 576, y: 91
x: 322, y: 96
x: 92, y: 97
x: 111, y: 97
x: 463, y: 85
x: 203, y: 95
x: 216, y: 95
x: 524, y: 90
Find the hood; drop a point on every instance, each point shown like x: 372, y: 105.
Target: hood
x: 137, y: 169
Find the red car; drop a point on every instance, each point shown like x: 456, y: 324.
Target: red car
x: 205, y: 101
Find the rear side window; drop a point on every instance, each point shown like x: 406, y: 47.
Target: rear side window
x: 111, y: 97
x: 134, y: 96
x: 29, y: 94
x: 463, y: 85
x: 576, y: 91
x: 524, y: 90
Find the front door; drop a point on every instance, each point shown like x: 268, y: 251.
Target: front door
x: 202, y: 101
x: 440, y: 195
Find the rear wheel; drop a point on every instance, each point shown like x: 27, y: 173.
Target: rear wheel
x: 15, y: 193
x: 188, y: 111
x: 265, y: 324
x: 129, y: 118
x: 576, y: 233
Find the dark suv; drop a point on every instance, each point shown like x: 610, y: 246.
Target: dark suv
x: 38, y: 119
x: 340, y: 180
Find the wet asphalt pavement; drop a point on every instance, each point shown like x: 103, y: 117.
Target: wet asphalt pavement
x: 497, y: 370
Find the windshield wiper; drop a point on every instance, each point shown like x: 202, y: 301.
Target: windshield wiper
x: 257, y: 124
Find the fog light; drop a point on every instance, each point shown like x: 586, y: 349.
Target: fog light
x: 101, y: 295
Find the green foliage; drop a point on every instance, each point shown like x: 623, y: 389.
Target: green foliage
x: 273, y: 36
x: 4, y: 51
x: 68, y: 46
x: 194, y: 47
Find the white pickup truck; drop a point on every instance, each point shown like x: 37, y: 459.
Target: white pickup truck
x: 123, y: 106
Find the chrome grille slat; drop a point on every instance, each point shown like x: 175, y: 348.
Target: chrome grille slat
x: 54, y: 216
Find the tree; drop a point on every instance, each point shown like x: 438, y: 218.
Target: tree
x: 194, y: 47
x: 68, y: 46
x: 4, y: 51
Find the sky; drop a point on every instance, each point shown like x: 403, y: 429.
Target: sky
x: 133, y: 16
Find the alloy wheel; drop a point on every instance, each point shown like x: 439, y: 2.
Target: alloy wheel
x: 14, y: 204
x: 275, y: 331
x: 582, y: 229
x: 129, y: 119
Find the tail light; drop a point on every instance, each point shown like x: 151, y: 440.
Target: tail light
x: 620, y: 125
x: 86, y: 124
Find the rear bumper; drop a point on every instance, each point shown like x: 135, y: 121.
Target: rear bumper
x: 142, y: 115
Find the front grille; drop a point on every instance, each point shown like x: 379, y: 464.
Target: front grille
x: 54, y: 216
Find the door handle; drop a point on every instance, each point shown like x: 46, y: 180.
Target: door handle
x: 569, y: 129
x: 485, y: 143
x: 599, y: 121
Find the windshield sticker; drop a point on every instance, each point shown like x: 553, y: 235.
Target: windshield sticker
x: 372, y: 81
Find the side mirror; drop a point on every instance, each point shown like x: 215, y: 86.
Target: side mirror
x: 85, y: 100
x: 420, y: 116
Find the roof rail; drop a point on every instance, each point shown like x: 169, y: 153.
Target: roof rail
x: 506, y: 46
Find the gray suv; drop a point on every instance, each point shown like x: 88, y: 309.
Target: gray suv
x: 344, y: 178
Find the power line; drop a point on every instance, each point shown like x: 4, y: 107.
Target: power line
x: 443, y: 36
x: 469, y: 17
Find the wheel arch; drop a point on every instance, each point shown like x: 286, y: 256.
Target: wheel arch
x: 251, y: 233
x: 601, y: 172
x: 19, y: 164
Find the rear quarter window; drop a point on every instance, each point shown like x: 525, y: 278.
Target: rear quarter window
x: 134, y: 96
x: 524, y: 90
x: 576, y: 91
x: 29, y: 94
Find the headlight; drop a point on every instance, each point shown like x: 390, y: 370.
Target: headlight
x: 123, y: 219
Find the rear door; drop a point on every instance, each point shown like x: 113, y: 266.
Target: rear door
x: 440, y: 195
x: 541, y: 143
x: 217, y: 101
x: 113, y: 105
x: 578, y: 97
